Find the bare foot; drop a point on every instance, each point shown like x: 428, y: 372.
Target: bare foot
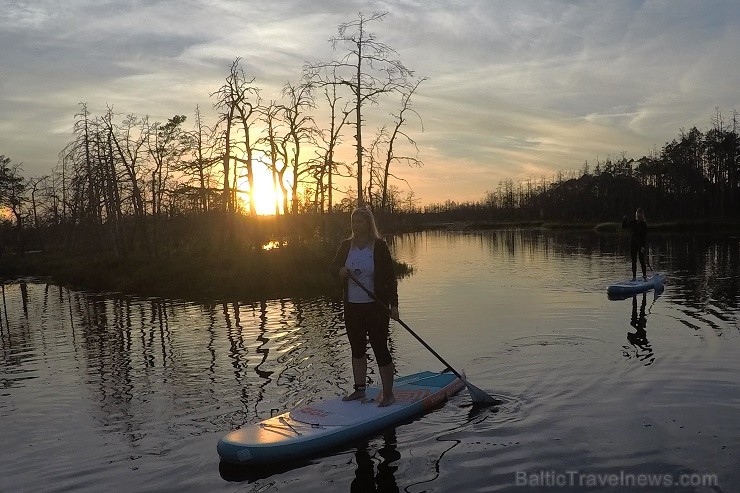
x: 357, y: 394
x: 387, y: 401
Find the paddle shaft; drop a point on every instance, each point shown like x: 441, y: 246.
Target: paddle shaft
x: 431, y: 350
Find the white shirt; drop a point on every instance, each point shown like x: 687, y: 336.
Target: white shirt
x: 360, y: 261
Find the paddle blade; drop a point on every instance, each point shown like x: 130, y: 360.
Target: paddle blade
x: 479, y: 396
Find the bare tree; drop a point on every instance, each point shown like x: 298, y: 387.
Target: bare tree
x: 276, y: 153
x: 233, y: 101
x: 128, y: 140
x: 369, y: 69
x: 328, y: 140
x: 247, y: 113
x: 198, y: 168
x: 395, y: 133
x: 299, y: 128
x: 82, y: 127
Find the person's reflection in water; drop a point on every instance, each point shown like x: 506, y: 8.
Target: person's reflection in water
x: 638, y: 339
x: 366, y: 480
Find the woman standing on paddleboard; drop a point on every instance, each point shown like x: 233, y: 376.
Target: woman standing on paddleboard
x: 639, y: 228
x: 368, y: 259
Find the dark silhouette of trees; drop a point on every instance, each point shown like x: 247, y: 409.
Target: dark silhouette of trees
x: 12, y: 195
x: 327, y: 140
x: 237, y: 102
x: 693, y: 177
x: 299, y: 127
x: 369, y: 70
x: 98, y: 200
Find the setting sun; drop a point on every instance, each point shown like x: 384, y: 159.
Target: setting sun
x: 266, y: 196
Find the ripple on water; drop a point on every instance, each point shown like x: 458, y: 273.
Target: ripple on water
x: 107, y: 390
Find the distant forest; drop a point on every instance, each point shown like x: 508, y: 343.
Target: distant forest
x: 693, y: 177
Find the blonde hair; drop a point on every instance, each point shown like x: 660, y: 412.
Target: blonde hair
x: 370, y: 218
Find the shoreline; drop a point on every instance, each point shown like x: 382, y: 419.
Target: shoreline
x: 251, y: 275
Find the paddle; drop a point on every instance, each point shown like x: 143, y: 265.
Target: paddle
x: 478, y: 395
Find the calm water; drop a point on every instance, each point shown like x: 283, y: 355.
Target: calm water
x: 100, y: 392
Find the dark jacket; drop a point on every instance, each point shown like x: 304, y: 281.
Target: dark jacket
x: 386, y: 284
x: 639, y: 231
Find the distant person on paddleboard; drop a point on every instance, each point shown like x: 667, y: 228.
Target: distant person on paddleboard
x: 367, y: 256
x: 639, y: 228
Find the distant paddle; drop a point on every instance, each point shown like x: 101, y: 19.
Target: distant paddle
x: 478, y: 395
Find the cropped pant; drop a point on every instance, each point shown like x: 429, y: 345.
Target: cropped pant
x: 368, y: 321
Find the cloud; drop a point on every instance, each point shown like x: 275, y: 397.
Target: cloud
x: 513, y: 89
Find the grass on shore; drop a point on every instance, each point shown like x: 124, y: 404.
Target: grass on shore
x: 246, y: 276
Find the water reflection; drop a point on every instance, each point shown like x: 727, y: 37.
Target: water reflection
x: 164, y: 366
x: 240, y: 474
x: 638, y: 339
x: 367, y: 479
x: 148, y: 385
x: 703, y: 269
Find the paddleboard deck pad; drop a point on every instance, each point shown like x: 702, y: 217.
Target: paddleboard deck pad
x: 320, y: 425
x: 637, y: 286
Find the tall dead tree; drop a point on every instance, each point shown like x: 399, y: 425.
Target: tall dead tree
x: 198, y: 168
x: 276, y: 153
x: 397, y: 131
x: 247, y: 113
x: 368, y: 69
x: 128, y: 140
x: 328, y: 140
x: 233, y: 102
x: 299, y: 128
x: 82, y: 128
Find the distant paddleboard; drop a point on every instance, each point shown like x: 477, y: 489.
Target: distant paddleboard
x: 324, y: 424
x: 637, y: 286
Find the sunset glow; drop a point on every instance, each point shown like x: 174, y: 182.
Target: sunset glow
x: 265, y: 193
x: 512, y: 90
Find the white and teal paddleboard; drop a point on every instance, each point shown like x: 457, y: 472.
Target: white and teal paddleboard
x: 318, y: 426
x: 639, y: 285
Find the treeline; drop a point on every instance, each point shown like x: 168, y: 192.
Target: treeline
x: 693, y: 177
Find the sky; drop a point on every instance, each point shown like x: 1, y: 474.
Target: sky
x: 515, y: 90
